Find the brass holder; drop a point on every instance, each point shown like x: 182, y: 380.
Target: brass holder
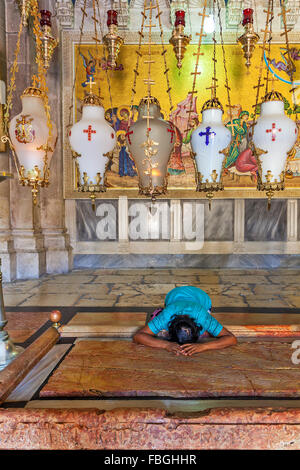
x: 270, y: 187
x: 49, y: 43
x: 153, y: 191
x: 8, y: 351
x: 113, y: 42
x: 87, y: 187
x: 248, y: 41
x: 179, y: 41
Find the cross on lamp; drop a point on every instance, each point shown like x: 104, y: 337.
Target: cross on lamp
x: 207, y: 133
x: 274, y: 131
x: 89, y: 131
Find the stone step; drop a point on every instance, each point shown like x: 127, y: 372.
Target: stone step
x: 125, y: 324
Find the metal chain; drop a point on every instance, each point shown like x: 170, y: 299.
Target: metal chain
x: 196, y: 71
x: 269, y: 48
x: 224, y: 60
x: 105, y: 58
x: 139, y: 55
x: 290, y: 61
x: 84, y: 14
x: 164, y: 51
x: 266, y: 32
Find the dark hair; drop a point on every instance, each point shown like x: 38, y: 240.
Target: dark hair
x: 183, y: 329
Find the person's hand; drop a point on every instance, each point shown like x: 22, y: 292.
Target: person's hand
x: 174, y: 348
x: 192, y: 348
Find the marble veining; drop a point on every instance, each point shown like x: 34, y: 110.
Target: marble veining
x: 262, y: 224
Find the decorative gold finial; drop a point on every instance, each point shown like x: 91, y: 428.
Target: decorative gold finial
x: 55, y: 317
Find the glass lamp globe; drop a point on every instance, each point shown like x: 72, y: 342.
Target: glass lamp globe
x: 208, y: 141
x: 29, y: 134
x: 92, y: 138
x: 151, y: 154
x: 274, y: 136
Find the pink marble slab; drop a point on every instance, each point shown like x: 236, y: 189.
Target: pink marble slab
x: 121, y: 368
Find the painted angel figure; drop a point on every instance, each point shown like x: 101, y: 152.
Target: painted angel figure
x: 90, y: 68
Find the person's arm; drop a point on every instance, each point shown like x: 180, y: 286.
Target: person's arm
x: 146, y: 337
x: 224, y: 339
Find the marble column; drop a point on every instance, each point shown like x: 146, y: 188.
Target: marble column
x: 123, y: 224
x: 7, y: 253
x: 56, y: 239
x: 292, y: 220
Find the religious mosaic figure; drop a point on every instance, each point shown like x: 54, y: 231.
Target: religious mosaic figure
x: 90, y: 68
x: 180, y: 118
x: 126, y: 164
x: 239, y: 129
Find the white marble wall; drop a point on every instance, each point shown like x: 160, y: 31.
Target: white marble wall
x: 234, y: 233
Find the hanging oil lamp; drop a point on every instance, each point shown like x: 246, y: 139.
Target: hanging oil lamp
x: 112, y: 41
x: 209, y: 142
x: 31, y: 140
x: 92, y: 138
x: 151, y: 156
x: 274, y: 136
x: 179, y: 40
x: 249, y: 39
x: 48, y: 42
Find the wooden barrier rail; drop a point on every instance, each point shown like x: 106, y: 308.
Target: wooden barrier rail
x: 15, y: 372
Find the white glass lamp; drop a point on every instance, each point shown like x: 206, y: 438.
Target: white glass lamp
x: 208, y: 142
x: 274, y: 136
x: 92, y: 138
x: 29, y: 135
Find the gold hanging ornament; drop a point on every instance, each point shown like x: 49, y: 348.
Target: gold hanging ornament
x: 49, y: 43
x: 111, y: 40
x: 179, y: 40
x: 151, y: 139
x: 249, y: 39
x: 31, y: 135
x: 92, y: 139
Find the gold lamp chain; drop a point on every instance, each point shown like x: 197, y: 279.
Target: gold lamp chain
x: 139, y: 55
x: 197, y: 54
x: 105, y: 57
x: 291, y: 66
x: 266, y: 32
x: 214, y: 79
x: 84, y: 14
x: 269, y: 40
x: 97, y: 41
x: 164, y: 51
x: 224, y: 61
x: 12, y: 82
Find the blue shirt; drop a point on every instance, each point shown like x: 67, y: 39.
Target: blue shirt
x: 187, y: 300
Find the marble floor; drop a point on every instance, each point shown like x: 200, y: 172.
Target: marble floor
x: 277, y: 288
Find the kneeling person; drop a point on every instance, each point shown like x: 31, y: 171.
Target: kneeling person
x: 185, y: 319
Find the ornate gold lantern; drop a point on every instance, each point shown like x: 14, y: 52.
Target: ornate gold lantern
x: 179, y: 40
x: 112, y: 41
x: 151, y: 156
x: 31, y: 134
x: 250, y: 37
x: 49, y: 43
x: 30, y: 140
